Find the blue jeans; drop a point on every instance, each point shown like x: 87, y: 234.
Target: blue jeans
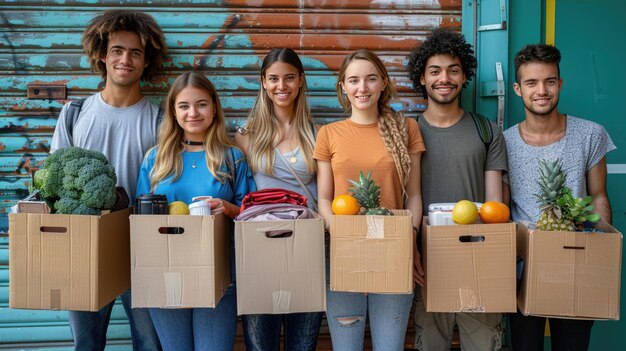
x: 90, y: 328
x: 388, y: 319
x: 527, y: 333
x: 262, y: 331
x: 198, y: 328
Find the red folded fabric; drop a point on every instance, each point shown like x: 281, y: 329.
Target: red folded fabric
x: 273, y: 196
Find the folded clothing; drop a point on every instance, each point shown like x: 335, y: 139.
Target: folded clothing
x: 272, y: 196
x: 271, y: 212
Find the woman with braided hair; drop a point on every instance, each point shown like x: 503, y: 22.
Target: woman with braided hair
x: 375, y: 138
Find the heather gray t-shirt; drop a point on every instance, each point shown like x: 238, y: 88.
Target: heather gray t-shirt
x: 122, y: 134
x: 284, y: 179
x: 585, y: 143
x: 454, y: 163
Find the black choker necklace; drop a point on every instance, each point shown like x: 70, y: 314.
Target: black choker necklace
x: 191, y: 142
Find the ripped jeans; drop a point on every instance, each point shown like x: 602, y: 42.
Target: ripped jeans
x: 347, y: 312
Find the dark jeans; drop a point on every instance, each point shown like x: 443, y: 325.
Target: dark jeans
x: 527, y: 333
x: 262, y: 331
x: 90, y: 328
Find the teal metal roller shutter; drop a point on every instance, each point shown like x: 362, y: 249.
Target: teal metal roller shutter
x: 42, y: 66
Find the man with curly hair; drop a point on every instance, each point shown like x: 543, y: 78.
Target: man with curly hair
x: 457, y: 164
x: 125, y: 48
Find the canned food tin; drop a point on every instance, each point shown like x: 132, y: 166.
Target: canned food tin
x: 151, y: 204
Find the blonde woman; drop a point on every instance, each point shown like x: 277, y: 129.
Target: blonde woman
x: 375, y: 138
x: 190, y: 160
x: 278, y: 142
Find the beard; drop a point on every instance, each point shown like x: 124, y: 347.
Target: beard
x: 442, y: 100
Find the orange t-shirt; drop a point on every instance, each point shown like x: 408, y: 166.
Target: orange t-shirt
x: 352, y: 147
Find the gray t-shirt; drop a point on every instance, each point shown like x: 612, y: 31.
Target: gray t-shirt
x: 122, y: 134
x: 454, y: 164
x: 585, y: 143
x: 282, y: 177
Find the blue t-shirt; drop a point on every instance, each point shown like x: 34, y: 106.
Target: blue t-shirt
x: 198, y: 181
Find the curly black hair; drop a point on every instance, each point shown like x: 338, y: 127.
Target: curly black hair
x: 441, y: 42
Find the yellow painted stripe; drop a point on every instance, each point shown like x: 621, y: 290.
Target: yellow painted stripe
x: 550, y: 21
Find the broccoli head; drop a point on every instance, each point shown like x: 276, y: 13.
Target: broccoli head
x: 99, y: 192
x: 49, y: 179
x: 79, y: 181
x: 71, y: 206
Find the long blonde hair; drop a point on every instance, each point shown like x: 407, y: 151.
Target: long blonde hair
x: 263, y: 125
x: 169, y: 159
x: 391, y: 124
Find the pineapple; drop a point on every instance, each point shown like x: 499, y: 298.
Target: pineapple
x: 368, y: 194
x: 560, y: 210
x: 579, y: 210
x: 552, y: 183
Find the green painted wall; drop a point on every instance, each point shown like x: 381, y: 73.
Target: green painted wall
x: 526, y: 26
x: 593, y: 88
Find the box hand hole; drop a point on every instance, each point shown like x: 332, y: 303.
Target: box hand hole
x: 472, y: 238
x: 573, y: 247
x: 53, y: 229
x: 171, y: 230
x: 279, y: 233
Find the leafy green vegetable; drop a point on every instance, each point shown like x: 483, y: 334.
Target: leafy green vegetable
x: 77, y: 181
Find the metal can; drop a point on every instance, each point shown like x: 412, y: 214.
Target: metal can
x: 151, y: 204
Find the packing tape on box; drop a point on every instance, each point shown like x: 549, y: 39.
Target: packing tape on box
x: 375, y: 227
x: 173, y: 295
x: 281, y: 299
x: 468, y: 301
x: 55, y: 299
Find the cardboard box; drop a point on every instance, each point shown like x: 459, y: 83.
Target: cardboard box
x: 372, y: 254
x: 68, y: 262
x: 283, y: 274
x: 179, y: 261
x: 570, y: 274
x: 469, y: 268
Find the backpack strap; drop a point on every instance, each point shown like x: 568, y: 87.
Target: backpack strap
x: 73, y: 111
x: 483, y: 126
x: 160, y: 114
x: 231, y: 167
x: 71, y: 115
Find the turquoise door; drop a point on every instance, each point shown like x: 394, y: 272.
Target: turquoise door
x: 593, y: 73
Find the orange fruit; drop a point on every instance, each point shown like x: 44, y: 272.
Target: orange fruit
x: 494, y: 212
x: 345, y: 205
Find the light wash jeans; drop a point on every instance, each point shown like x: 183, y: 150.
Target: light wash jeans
x: 90, y: 328
x: 189, y: 329
x: 388, y: 319
x: 262, y: 331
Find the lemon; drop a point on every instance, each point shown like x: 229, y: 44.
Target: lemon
x: 178, y: 208
x: 464, y: 212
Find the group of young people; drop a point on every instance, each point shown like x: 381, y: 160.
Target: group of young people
x: 438, y: 158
